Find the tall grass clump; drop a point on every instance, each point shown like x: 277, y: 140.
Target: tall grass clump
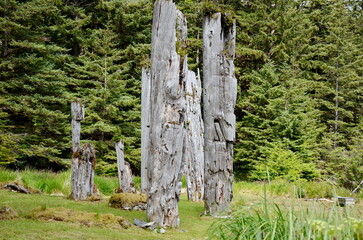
x: 48, y: 182
x: 7, y: 175
x: 106, y: 185
x: 55, y: 183
x: 270, y: 222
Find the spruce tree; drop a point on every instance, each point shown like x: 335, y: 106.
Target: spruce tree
x: 33, y: 85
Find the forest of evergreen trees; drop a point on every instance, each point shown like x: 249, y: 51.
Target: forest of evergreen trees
x: 299, y: 66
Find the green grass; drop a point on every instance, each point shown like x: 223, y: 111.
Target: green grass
x: 47, y: 182
x: 289, y: 220
x: 137, y: 182
x: 60, y: 183
x: 55, y: 183
x: 313, y: 222
x: 282, y: 188
x: 106, y: 185
x: 260, y: 211
x: 7, y: 175
x: 195, y: 227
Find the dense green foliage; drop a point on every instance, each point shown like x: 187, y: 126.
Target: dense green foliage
x: 53, y: 52
x: 299, y: 66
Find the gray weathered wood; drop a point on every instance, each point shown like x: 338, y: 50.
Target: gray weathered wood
x: 77, y: 116
x: 167, y: 116
x: 83, y: 171
x: 194, y: 139
x: 145, y: 126
x: 17, y: 187
x: 123, y: 169
x: 83, y: 158
x: 220, y: 90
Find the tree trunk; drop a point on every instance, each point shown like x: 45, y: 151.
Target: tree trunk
x: 123, y: 170
x: 77, y: 117
x: 145, y: 126
x: 220, y: 90
x: 167, y: 108
x: 194, y: 142
x: 83, y: 171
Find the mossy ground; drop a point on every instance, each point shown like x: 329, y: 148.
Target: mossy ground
x: 127, y: 199
x: 83, y: 218
x: 7, y: 213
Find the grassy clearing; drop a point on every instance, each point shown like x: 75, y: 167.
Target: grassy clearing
x: 195, y: 227
x: 260, y: 211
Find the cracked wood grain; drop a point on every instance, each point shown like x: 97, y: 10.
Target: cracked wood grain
x: 219, y: 99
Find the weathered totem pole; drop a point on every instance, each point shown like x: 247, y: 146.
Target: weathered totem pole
x: 219, y: 99
x: 145, y: 126
x: 83, y: 158
x: 194, y: 139
x: 77, y: 109
x: 167, y: 114
x: 124, y: 170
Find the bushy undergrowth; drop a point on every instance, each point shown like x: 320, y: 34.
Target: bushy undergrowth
x: 270, y: 222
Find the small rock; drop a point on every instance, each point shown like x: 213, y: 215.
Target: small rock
x: 57, y: 194
x: 161, y: 230
x: 146, y: 225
